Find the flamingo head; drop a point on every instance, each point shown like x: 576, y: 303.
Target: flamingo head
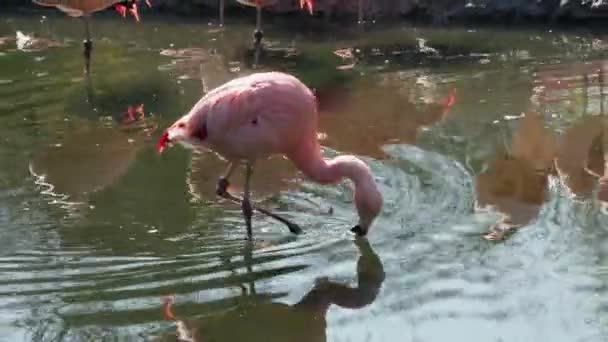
x: 368, y: 201
x: 185, y: 132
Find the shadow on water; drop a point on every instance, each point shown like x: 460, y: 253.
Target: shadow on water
x: 256, y: 318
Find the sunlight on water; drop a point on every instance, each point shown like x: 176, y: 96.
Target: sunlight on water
x: 467, y: 133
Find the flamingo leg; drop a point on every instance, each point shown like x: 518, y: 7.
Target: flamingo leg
x: 223, y: 183
x: 294, y: 228
x: 88, y: 44
x: 221, y: 6
x: 222, y: 191
x: 246, y: 203
x: 248, y: 258
x: 258, y: 34
x: 603, y: 181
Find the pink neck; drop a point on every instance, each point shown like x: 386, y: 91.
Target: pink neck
x: 309, y: 160
x: 367, y: 198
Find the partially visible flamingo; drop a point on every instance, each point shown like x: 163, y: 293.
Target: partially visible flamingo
x: 263, y: 114
x: 85, y: 8
x: 259, y: 5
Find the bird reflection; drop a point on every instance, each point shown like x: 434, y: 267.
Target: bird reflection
x: 582, y: 161
x: 303, y: 321
x: 516, y: 183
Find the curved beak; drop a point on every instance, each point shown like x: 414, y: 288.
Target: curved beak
x: 163, y: 142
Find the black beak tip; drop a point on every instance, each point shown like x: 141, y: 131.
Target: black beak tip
x: 358, y: 230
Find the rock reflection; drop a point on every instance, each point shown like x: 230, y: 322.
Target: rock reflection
x: 578, y: 160
x: 304, y: 321
x: 582, y: 161
x: 362, y: 119
x: 516, y: 182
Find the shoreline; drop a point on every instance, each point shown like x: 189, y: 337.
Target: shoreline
x: 420, y: 18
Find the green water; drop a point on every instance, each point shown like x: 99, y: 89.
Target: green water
x: 95, y: 227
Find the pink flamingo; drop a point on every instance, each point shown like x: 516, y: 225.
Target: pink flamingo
x: 259, y: 5
x: 255, y: 116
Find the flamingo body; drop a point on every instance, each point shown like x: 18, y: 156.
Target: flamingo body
x: 269, y: 113
x: 78, y: 8
x: 256, y: 116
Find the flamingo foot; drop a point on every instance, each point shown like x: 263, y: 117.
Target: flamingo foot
x: 88, y: 48
x: 499, y: 231
x: 222, y: 187
x: 167, y: 302
x: 358, y: 230
x: 221, y: 190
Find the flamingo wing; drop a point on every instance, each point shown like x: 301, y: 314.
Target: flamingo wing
x: 257, y: 116
x: 77, y: 8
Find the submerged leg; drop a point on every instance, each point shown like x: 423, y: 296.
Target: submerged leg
x: 222, y: 191
x: 223, y: 183
x: 294, y: 228
x: 500, y: 230
x: 88, y: 44
x: 246, y: 204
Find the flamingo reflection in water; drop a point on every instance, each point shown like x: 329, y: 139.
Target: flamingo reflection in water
x: 303, y: 321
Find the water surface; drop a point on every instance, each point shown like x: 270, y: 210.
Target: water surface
x: 96, y: 229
